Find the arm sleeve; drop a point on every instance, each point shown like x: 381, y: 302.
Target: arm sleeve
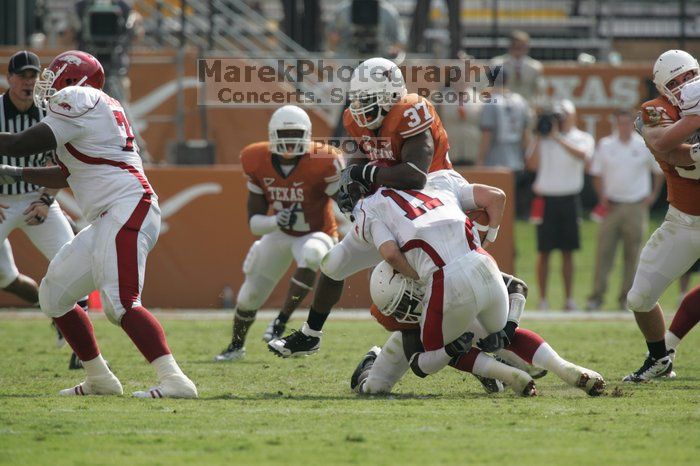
x: 379, y: 233
x: 64, y: 129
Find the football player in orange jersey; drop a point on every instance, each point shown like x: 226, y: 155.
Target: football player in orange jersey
x: 675, y: 245
x: 295, y: 179
x: 401, y: 139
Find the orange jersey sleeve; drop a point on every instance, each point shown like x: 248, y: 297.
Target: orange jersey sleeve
x: 252, y: 157
x: 407, y: 118
x: 412, y: 116
x: 682, y: 183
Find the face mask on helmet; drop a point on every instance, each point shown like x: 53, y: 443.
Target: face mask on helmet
x: 395, y: 295
x: 289, y: 143
x: 366, y: 110
x: 675, y: 85
x: 407, y: 306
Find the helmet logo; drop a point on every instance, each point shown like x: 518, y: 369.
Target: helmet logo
x: 72, y: 59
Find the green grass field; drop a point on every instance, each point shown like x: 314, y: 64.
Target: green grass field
x: 265, y: 410
x: 584, y: 265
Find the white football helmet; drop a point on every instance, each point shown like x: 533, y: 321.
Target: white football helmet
x: 395, y: 295
x: 376, y: 84
x: 672, y: 64
x: 289, y: 117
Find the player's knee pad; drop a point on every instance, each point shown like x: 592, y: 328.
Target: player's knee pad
x: 639, y: 300
x: 254, y: 292
x: 112, y: 307
x: 312, y: 253
x: 53, y: 299
x: 332, y: 263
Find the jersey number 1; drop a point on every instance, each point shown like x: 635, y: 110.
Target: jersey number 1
x: 413, y: 211
x: 122, y: 122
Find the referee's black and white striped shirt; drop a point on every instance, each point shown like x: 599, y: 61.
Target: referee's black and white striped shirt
x: 12, y: 121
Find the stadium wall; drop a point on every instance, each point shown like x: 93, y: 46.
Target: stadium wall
x: 205, y: 237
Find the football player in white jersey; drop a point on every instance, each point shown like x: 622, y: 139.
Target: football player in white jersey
x: 99, y: 160
x: 395, y: 297
x: 426, y: 236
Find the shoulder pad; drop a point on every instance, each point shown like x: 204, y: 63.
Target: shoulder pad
x: 252, y: 155
x: 74, y: 101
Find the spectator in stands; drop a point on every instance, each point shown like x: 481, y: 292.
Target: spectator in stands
x: 461, y: 120
x: 505, y: 134
x: 559, y: 154
x: 366, y: 28
x: 525, y: 73
x: 622, y: 169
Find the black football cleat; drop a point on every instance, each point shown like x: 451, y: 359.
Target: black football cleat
x: 298, y: 343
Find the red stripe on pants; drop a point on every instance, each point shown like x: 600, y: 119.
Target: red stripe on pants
x: 127, y: 253
x: 432, y: 328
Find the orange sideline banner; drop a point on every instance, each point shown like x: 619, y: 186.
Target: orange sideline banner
x: 205, y: 237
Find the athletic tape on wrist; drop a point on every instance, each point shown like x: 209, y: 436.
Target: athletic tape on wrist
x: 492, y: 234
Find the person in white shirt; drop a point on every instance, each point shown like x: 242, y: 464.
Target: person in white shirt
x: 622, y: 168
x: 559, y: 154
x: 525, y: 73
x: 99, y: 160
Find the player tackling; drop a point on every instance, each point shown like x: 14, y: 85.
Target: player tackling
x: 99, y: 160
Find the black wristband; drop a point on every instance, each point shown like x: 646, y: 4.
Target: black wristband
x: 47, y: 199
x: 369, y: 173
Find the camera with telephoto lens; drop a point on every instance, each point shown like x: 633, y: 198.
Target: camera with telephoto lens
x: 547, y: 121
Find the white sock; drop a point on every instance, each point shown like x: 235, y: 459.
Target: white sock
x: 309, y: 332
x: 546, y: 358
x: 431, y: 362
x: 512, y: 359
x: 96, y: 366
x: 486, y: 366
x: 672, y: 341
x: 165, y: 366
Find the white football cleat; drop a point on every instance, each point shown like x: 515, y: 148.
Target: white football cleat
x: 172, y: 386
x: 107, y: 384
x: 522, y: 384
x: 231, y: 353
x: 587, y: 380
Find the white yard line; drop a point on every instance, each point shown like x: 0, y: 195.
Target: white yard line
x: 340, y: 314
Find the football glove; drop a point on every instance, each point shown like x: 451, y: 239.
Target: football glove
x: 460, y: 346
x: 494, y: 342
x: 286, y: 218
x: 350, y: 191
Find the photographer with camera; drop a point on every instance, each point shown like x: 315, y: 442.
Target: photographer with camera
x: 366, y: 28
x: 558, y: 155
x: 105, y: 29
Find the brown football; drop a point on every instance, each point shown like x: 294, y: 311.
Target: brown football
x: 481, y: 217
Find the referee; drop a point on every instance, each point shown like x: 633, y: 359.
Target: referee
x: 24, y: 205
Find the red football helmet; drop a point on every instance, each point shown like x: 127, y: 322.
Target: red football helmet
x: 71, y: 68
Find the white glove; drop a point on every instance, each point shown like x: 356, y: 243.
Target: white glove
x: 286, y: 218
x: 10, y: 174
x: 690, y: 98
